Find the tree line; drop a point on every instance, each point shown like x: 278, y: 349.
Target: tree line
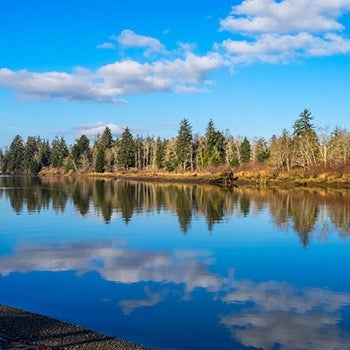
x: 304, y: 147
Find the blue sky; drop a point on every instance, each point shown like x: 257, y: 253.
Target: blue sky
x: 70, y: 67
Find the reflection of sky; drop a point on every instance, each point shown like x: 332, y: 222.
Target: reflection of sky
x: 277, y: 313
x: 245, y: 280
x: 258, y: 314
x: 116, y: 264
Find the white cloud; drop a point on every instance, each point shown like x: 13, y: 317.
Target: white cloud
x: 97, y: 129
x: 109, y: 82
x: 284, y: 30
x: 286, y: 16
x: 128, y: 38
x: 52, y: 84
x: 106, y: 45
x: 272, y: 48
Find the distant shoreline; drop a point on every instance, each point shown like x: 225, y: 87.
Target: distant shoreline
x: 259, y: 178
x: 245, y: 178
x: 27, y: 330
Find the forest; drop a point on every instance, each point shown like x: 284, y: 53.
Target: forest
x: 305, y: 148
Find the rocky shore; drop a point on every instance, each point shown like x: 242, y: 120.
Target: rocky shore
x: 29, y: 331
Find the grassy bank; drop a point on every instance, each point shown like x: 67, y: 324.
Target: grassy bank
x: 245, y: 177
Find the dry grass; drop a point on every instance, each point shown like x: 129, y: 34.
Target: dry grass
x: 247, y: 174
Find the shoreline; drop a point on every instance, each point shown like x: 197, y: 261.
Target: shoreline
x: 20, y: 329
x: 256, y: 179
x: 209, y: 179
x: 259, y: 178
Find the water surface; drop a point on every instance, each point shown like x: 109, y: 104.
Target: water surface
x: 180, y: 266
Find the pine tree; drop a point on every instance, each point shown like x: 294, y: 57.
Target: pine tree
x: 303, y: 126
x: 184, y: 145
x: 31, y: 156
x: 160, y: 152
x: 14, y: 157
x: 245, y: 150
x: 2, y: 158
x: 305, y: 141
x: 44, y: 151
x: 81, y: 155
x: 59, y: 151
x: 101, y: 145
x: 100, y: 159
x: 215, y: 146
x: 106, y: 138
x: 126, y: 150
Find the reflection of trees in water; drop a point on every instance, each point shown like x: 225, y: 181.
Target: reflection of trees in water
x: 339, y: 211
x: 183, y: 203
x: 100, y: 202
x: 244, y: 205
x: 26, y: 192
x: 81, y: 193
x: 304, y: 212
x: 302, y: 209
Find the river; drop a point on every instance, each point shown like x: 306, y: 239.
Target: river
x: 176, y: 266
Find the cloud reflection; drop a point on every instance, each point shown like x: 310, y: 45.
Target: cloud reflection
x: 263, y: 315
x: 278, y: 314
x: 152, y: 298
x: 116, y: 263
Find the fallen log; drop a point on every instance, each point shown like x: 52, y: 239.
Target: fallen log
x: 226, y: 180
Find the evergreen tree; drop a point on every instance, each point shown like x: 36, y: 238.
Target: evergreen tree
x: 215, y: 145
x: 31, y: 156
x: 44, y: 150
x: 245, y: 150
x: 14, y: 157
x: 305, y: 141
x: 106, y: 138
x: 303, y: 126
x: 81, y: 155
x: 82, y: 145
x: 2, y: 157
x: 210, y: 136
x: 59, y: 151
x: 100, y: 159
x: 184, y: 150
x: 160, y: 152
x: 126, y: 150
x: 101, y: 145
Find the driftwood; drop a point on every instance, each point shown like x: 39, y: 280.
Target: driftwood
x: 226, y: 180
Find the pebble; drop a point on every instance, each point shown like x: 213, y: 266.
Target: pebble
x: 22, y: 330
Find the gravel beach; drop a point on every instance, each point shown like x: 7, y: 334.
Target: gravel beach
x: 26, y: 330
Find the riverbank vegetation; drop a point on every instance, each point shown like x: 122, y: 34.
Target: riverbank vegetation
x: 304, y: 154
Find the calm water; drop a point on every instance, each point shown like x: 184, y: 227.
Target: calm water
x: 180, y: 266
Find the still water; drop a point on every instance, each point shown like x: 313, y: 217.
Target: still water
x: 180, y: 266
